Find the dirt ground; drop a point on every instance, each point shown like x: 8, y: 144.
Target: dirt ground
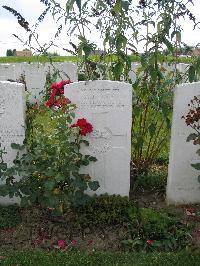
x: 37, y: 230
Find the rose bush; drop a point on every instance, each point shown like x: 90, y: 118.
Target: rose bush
x: 50, y: 169
x: 57, y: 89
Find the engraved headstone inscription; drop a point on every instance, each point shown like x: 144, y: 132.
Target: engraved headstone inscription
x: 107, y: 105
x: 12, y: 120
x: 182, y: 184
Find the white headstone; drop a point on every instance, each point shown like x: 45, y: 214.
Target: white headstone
x: 133, y: 72
x: 12, y: 121
x: 183, y: 186
x: 183, y: 68
x: 67, y: 70
x: 107, y: 105
x: 7, y: 71
x: 35, y: 77
x: 20, y: 69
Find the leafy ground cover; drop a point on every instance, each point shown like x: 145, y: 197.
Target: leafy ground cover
x: 103, y: 225
x: 39, y: 257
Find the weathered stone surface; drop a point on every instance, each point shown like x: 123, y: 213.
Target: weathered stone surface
x: 183, y: 68
x: 183, y: 186
x: 7, y: 71
x: 67, y: 70
x: 107, y: 105
x: 12, y: 121
x: 133, y: 72
x: 35, y: 77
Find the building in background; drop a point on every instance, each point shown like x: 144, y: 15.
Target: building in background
x: 23, y: 53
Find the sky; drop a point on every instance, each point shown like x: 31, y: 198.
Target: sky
x: 31, y: 9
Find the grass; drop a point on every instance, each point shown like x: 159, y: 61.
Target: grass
x: 42, y: 258
x: 43, y: 59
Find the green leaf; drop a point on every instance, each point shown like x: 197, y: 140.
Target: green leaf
x: 192, y: 136
x: 24, y: 202
x: 191, y: 74
x: 4, y: 190
x: 69, y: 5
x: 169, y: 45
x: 117, y: 7
x: 16, y: 146
x: 152, y: 129
x: 78, y: 3
x: 92, y: 159
x: 85, y: 142
x: 93, y: 185
x: 177, y: 34
x: 121, y: 41
x: 49, y: 185
x: 80, y: 197
x: 59, y: 177
x: 79, y: 183
x: 196, y: 166
x: 125, y: 5
x: 117, y: 70
x: 198, y: 152
x: 3, y: 166
x: 73, y: 115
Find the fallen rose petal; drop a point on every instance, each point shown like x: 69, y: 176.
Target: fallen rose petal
x: 61, y: 243
x: 190, y: 212
x: 73, y: 242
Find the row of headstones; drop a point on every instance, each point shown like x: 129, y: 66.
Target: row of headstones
x: 35, y: 74
x: 108, y: 106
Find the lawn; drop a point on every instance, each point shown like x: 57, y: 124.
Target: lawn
x: 43, y: 59
x: 43, y: 258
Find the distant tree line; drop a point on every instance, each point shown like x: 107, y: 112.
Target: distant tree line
x: 10, y: 52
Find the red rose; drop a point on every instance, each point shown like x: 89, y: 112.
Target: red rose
x: 150, y: 242
x: 57, y: 103
x: 57, y: 89
x: 50, y: 102
x: 84, y: 126
x: 61, y: 102
x: 54, y: 86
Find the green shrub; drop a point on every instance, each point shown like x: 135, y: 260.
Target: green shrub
x: 103, y: 211
x: 155, y: 179
x: 150, y: 230
x: 9, y: 216
x: 49, y: 171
